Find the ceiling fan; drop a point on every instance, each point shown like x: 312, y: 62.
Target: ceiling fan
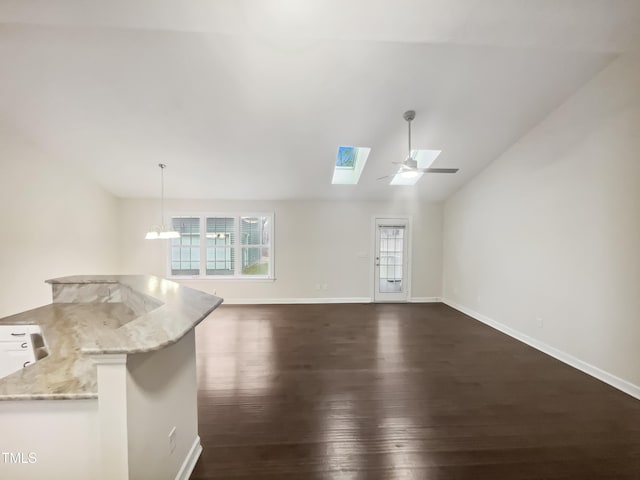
x: 409, y: 167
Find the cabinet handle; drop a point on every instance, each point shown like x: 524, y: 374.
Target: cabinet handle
x: 26, y: 363
x: 18, y: 334
x: 24, y: 345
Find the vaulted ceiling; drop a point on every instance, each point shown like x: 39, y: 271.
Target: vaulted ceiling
x: 251, y: 99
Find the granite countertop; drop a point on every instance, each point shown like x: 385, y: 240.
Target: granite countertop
x: 96, y: 315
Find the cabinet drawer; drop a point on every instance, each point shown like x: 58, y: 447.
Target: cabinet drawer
x: 13, y: 346
x: 14, y: 332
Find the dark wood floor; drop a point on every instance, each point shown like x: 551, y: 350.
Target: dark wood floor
x: 398, y: 392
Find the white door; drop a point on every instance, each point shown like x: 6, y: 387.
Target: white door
x: 391, y: 260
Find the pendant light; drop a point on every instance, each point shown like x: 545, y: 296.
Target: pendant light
x: 160, y: 231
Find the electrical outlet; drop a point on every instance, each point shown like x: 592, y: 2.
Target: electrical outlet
x: 317, y: 286
x: 324, y: 286
x: 540, y: 322
x: 172, y: 440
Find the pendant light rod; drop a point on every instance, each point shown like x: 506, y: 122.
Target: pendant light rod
x: 162, y: 167
x: 160, y: 231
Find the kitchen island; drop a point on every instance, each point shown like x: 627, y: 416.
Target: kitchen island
x: 115, y: 396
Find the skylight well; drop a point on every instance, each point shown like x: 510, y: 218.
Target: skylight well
x: 349, y: 163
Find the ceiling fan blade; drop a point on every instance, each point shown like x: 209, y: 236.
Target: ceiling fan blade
x: 438, y: 170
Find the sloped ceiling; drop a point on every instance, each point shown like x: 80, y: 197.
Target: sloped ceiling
x: 250, y: 99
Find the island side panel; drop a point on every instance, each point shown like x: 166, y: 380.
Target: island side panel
x: 49, y: 439
x: 161, y: 396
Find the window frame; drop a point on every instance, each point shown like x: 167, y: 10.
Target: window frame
x: 237, y: 247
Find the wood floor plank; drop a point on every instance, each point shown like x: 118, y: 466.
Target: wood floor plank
x: 398, y: 392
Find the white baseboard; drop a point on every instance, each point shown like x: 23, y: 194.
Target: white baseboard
x: 278, y: 301
x: 424, y: 300
x: 190, y: 461
x: 616, y: 382
x: 312, y: 300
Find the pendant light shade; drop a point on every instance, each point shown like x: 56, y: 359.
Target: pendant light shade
x: 160, y: 232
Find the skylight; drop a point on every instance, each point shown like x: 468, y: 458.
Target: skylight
x: 346, y: 157
x: 350, y: 162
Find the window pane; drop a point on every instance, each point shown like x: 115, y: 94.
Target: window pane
x: 185, y: 251
x: 254, y: 230
x: 220, y: 231
x: 188, y: 227
x: 220, y: 261
x: 255, y: 261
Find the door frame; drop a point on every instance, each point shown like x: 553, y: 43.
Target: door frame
x: 408, y: 219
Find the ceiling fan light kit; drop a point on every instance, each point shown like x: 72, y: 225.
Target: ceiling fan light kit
x: 160, y: 232
x: 409, y: 174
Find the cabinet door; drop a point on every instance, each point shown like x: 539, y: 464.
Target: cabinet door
x: 13, y: 360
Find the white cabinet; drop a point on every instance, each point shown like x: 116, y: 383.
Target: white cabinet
x: 16, y: 348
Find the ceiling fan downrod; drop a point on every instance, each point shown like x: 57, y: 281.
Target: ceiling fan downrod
x: 409, y: 115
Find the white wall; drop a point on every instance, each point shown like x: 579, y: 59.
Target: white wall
x: 315, y: 242
x: 53, y: 222
x: 551, y: 229
x: 161, y: 394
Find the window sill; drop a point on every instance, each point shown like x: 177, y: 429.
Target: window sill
x: 222, y: 278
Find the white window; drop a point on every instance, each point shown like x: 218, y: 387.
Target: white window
x: 222, y: 246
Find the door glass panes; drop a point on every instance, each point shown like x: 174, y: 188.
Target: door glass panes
x: 185, y: 251
x: 391, y: 276
x: 220, y: 237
